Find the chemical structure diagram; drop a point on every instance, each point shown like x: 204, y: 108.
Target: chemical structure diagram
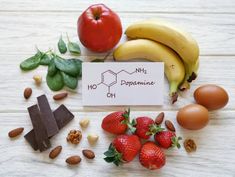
x: 110, y: 78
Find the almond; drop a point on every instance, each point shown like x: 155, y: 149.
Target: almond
x: 88, y: 153
x: 27, y: 92
x: 73, y: 160
x: 60, y: 96
x: 15, y: 132
x: 169, y: 125
x: 159, y: 118
x: 55, y: 152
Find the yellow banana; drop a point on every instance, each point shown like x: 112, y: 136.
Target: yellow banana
x: 181, y: 42
x: 154, y: 51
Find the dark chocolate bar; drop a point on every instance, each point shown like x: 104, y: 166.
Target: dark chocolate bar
x: 47, y: 116
x: 62, y: 115
x: 40, y: 132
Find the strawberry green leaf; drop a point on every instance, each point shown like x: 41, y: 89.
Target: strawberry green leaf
x: 127, y: 114
x: 131, y: 126
x: 175, y: 142
x: 113, y: 156
x: 109, y: 159
x: 153, y: 129
x: 116, y: 162
x: 109, y: 153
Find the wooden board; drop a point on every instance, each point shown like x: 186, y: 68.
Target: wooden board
x: 212, y: 31
x: 167, y: 6
x: 213, y: 157
x: 26, y: 23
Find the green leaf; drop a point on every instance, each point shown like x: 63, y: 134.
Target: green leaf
x: 45, y: 59
x: 55, y: 82
x: 78, y: 65
x: 74, y: 48
x: 117, y: 162
x: 32, y: 62
x: 62, y: 46
x: 154, y: 129
x: 109, y: 159
x: 69, y: 81
x: 69, y: 66
x: 126, y: 115
x: 109, y: 153
x: 175, y: 142
x: 52, y: 68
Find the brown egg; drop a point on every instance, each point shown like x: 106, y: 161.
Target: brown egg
x: 193, y: 117
x: 211, y: 96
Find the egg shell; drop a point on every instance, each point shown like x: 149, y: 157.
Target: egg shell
x: 193, y: 117
x: 211, y: 96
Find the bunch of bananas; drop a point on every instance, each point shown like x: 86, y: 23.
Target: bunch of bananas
x: 157, y: 40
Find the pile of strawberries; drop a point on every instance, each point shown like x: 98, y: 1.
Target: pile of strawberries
x: 125, y: 147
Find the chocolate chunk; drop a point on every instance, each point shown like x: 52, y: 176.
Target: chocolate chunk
x: 30, y: 137
x: 62, y: 115
x: 40, y: 132
x: 47, y: 116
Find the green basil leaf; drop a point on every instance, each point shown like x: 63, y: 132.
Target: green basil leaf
x: 98, y: 60
x: 68, y: 66
x: 45, y: 59
x: 62, y: 46
x: 69, y: 81
x: 52, y: 68
x: 74, y: 48
x: 32, y: 62
x: 55, y: 82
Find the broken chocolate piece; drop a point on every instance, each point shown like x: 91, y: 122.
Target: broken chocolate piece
x: 40, y: 132
x: 62, y: 115
x: 47, y: 116
x: 30, y: 137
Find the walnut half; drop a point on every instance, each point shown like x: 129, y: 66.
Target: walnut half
x: 190, y: 145
x: 74, y: 136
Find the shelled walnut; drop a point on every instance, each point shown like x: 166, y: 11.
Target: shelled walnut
x: 74, y: 136
x: 190, y: 145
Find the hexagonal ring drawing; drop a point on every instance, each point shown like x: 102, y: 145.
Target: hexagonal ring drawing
x: 108, y: 78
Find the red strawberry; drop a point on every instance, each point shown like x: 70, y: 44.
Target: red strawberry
x: 124, y: 148
x: 116, y: 122
x: 167, y: 139
x: 151, y: 156
x: 145, y: 127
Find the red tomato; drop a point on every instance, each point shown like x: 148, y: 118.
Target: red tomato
x: 99, y: 28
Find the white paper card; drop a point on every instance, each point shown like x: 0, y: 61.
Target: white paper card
x: 135, y: 83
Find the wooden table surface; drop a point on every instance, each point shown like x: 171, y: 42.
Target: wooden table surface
x: 26, y: 23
